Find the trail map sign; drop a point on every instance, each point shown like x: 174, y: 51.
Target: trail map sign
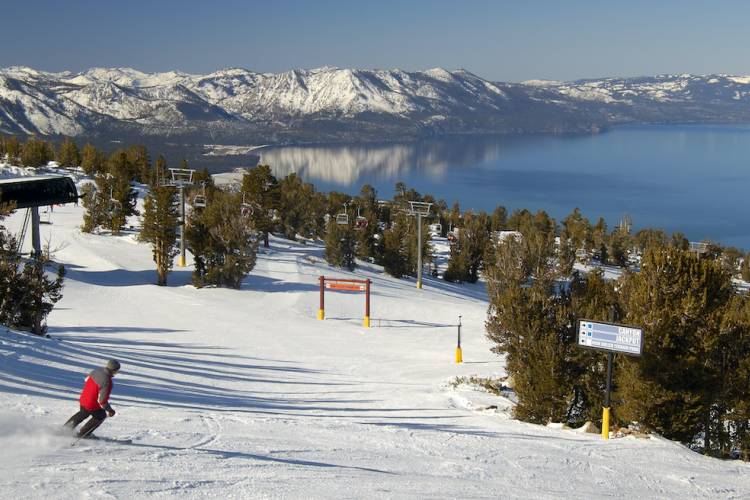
x: 610, y: 337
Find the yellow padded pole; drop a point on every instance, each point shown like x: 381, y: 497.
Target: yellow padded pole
x: 605, y: 423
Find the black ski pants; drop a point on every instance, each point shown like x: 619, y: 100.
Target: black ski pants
x: 97, y: 417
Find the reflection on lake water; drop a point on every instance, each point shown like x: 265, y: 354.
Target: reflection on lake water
x: 679, y: 178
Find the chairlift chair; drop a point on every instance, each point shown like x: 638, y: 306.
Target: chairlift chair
x: 199, y: 201
x: 115, y: 207
x: 247, y: 209
x: 360, y: 222
x: 342, y: 219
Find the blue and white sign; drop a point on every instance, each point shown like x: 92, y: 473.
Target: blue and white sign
x: 610, y: 337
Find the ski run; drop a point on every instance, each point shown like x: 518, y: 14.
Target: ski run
x: 245, y: 394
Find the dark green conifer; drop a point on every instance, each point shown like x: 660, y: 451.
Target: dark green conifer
x: 160, y: 220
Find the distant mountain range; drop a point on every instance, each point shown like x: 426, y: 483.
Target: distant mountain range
x: 237, y: 106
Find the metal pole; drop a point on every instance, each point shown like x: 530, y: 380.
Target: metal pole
x: 321, y: 309
x: 419, y: 250
x: 182, y: 226
x: 367, y: 304
x: 459, y: 353
x: 459, y: 332
x: 35, y: 239
x: 605, y: 412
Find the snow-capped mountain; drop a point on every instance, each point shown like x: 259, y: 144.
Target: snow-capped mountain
x: 237, y: 105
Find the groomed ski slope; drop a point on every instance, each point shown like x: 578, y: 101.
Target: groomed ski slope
x: 244, y: 394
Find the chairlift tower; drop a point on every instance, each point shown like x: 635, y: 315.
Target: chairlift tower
x: 419, y: 209
x: 181, y: 177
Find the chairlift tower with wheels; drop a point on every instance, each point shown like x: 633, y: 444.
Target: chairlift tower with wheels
x: 180, y: 178
x: 419, y: 209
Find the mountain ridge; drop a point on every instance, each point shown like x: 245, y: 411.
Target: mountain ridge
x: 329, y: 104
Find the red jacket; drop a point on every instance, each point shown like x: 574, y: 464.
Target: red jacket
x: 96, y: 390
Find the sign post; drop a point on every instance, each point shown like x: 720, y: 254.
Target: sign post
x: 611, y: 338
x: 349, y: 286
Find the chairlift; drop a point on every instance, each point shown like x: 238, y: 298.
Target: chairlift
x: 360, y: 222
x: 199, y: 201
x: 246, y: 208
x: 114, y: 207
x: 342, y: 219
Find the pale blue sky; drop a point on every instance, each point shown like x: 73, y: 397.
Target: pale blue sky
x: 498, y: 40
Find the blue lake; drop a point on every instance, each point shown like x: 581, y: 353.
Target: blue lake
x: 691, y: 178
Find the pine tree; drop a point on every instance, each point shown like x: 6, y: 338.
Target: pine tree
x: 467, y: 254
x: 262, y: 193
x: 396, y: 254
x: 28, y: 294
x: 68, y: 155
x: 92, y: 160
x: 297, y: 207
x: 35, y: 153
x: 679, y: 299
x: 95, y: 205
x: 650, y: 238
x: 160, y: 220
x: 223, y: 242
x: 13, y: 150
x: 593, y: 298
x: 340, y: 245
x: 139, y: 163
x: 368, y: 233
x: 530, y: 321
x: 499, y: 218
x: 123, y: 197
x: 745, y: 268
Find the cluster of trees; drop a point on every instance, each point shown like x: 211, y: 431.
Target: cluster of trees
x: 693, y: 380
x: 28, y: 293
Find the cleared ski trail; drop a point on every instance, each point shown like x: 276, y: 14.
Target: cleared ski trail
x: 244, y: 394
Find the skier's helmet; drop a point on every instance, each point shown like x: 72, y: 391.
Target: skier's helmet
x: 113, y: 365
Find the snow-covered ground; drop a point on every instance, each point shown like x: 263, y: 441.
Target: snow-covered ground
x: 244, y: 394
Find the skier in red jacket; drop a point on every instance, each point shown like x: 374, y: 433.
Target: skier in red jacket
x: 95, y: 399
